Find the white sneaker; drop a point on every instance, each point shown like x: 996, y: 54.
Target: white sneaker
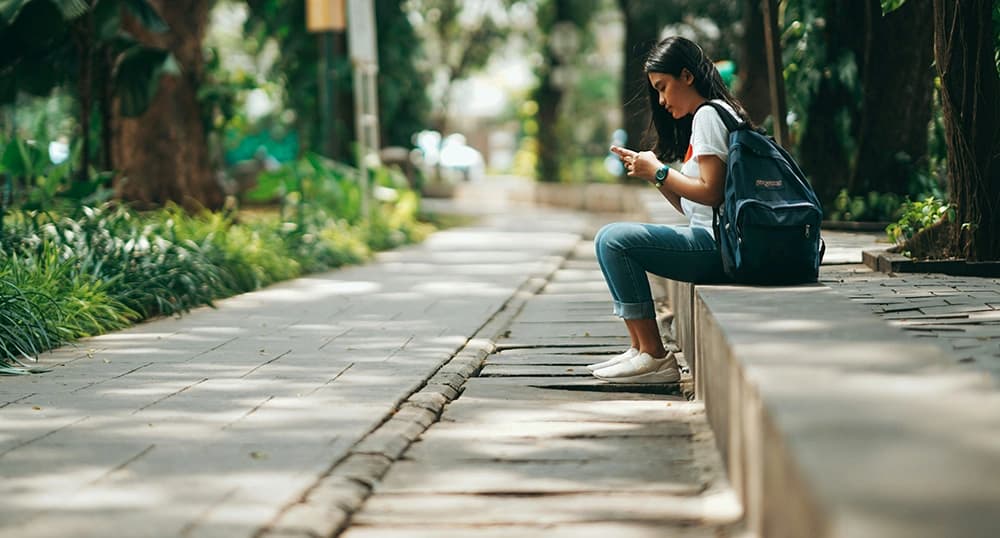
x: 632, y: 352
x: 642, y: 368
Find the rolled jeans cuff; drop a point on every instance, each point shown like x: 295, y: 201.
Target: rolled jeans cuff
x: 635, y: 310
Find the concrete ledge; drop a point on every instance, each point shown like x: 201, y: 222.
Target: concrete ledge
x: 591, y: 197
x: 833, y: 423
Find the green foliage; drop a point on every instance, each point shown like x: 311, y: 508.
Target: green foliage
x: 403, y: 101
x: 873, y: 207
x: 810, y: 63
x: 918, y: 215
x: 33, y: 182
x: 45, y: 301
x: 996, y: 33
x: 100, y: 268
x: 42, y: 43
x: 889, y: 6
x: 23, y: 328
x: 321, y: 198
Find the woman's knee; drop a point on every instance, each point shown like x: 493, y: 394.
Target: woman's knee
x: 618, y: 234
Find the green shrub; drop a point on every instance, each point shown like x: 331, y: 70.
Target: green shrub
x: 915, y: 216
x: 873, y: 207
x: 95, y: 269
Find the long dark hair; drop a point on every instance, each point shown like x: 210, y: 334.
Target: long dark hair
x: 670, y: 56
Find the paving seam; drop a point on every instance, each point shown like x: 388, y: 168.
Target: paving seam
x: 326, y: 507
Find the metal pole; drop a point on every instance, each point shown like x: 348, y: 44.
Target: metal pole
x: 366, y: 125
x: 326, y: 91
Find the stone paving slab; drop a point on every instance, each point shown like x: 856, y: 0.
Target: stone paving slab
x: 533, y: 370
x: 548, y: 359
x: 956, y: 313
x: 560, y: 509
x: 542, y: 331
x: 656, y: 529
x: 213, y: 423
x: 606, y: 350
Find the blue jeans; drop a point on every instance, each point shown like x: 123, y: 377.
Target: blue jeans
x: 626, y: 251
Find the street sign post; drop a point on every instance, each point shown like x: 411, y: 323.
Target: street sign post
x: 363, y: 50
x: 325, y: 15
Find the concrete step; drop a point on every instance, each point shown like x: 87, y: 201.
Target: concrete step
x: 833, y: 422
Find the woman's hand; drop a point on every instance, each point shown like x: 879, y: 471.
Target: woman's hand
x: 642, y: 164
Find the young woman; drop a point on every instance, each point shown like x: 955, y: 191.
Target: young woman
x: 681, y: 79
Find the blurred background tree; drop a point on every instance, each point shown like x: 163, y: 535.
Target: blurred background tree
x: 162, y: 155
x: 871, y: 121
x: 86, y: 49
x: 563, y: 29
x: 459, y: 38
x: 859, y: 85
x: 403, y: 99
x: 966, y: 35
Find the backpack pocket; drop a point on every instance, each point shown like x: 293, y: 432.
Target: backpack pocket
x: 777, y: 245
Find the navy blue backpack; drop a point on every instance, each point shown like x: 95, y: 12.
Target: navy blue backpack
x: 768, y: 224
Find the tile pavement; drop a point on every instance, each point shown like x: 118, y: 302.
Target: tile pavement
x: 215, y: 423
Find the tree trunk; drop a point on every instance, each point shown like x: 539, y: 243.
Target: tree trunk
x: 641, y: 32
x: 823, y: 151
x: 107, y: 99
x: 897, y: 83
x: 970, y: 97
x: 85, y: 89
x: 754, y: 90
x: 549, y: 152
x: 163, y: 155
x: 549, y: 97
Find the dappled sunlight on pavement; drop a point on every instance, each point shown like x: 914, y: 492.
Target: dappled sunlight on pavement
x: 211, y: 423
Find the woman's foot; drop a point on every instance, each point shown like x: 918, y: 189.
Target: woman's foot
x: 621, y: 357
x: 642, y: 368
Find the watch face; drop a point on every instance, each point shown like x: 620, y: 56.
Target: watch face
x: 661, y: 173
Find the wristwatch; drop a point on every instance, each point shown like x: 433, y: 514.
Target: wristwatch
x: 661, y: 175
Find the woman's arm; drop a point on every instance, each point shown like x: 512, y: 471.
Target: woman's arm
x: 706, y: 190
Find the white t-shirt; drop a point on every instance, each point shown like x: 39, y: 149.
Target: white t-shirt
x: 709, y: 136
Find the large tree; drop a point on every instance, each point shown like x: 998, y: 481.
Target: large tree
x: 754, y: 87
x: 965, y: 55
x: 826, y: 90
x: 897, y: 81
x: 861, y: 86
x: 162, y: 155
x: 566, y: 21
x: 82, y: 45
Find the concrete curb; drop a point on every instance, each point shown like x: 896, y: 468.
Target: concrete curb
x: 826, y: 417
x: 325, y: 509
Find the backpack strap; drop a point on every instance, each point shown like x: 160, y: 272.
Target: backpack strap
x: 726, y: 115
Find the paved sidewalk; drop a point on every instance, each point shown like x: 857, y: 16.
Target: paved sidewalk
x: 214, y: 423
x: 537, y: 447
x: 276, y: 413
x: 959, y: 314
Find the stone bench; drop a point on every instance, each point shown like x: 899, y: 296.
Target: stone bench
x: 834, y: 423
